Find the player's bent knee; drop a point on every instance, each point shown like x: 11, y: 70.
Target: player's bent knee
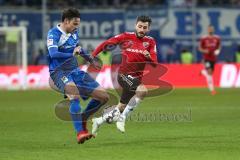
x: 101, y: 95
x: 52, y: 85
x: 71, y: 97
x: 141, y: 92
x: 71, y: 89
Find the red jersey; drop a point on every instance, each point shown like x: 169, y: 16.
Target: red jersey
x: 210, y: 43
x: 132, y: 48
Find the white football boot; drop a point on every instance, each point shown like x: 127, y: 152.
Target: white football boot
x: 96, y: 123
x: 121, y: 123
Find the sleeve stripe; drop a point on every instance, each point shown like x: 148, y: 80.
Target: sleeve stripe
x: 53, y: 46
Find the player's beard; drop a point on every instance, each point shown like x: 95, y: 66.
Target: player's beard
x: 138, y: 34
x: 211, y: 33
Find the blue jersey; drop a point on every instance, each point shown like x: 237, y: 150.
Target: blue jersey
x: 63, y: 65
x: 60, y: 48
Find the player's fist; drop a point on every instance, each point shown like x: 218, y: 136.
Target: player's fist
x: 146, y: 54
x: 97, y: 63
x: 77, y: 50
x: 216, y: 52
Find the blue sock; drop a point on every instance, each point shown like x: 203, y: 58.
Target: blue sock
x: 75, y: 111
x: 91, y: 108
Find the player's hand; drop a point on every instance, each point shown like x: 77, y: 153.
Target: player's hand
x: 96, y: 63
x: 216, y: 52
x: 205, y: 51
x: 146, y: 54
x: 77, y: 50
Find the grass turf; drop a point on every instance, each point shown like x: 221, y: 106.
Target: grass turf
x: 189, y: 124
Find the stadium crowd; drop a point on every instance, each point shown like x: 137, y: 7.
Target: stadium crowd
x: 117, y: 3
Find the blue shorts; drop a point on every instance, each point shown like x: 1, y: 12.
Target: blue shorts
x: 84, y: 82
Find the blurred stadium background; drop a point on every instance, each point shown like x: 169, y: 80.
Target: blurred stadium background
x: 29, y: 129
x: 177, y: 26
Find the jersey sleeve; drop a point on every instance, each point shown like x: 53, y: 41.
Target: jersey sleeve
x: 201, y: 41
x: 106, y: 44
x: 52, y: 45
x: 153, y: 51
x: 52, y: 40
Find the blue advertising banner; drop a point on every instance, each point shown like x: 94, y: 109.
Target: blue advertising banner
x: 93, y: 24
x: 183, y: 23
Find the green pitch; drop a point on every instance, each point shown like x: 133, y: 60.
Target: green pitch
x: 185, y: 124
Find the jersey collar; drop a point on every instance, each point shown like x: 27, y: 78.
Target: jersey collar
x: 59, y: 28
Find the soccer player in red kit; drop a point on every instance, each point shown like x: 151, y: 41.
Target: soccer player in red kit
x: 210, y: 46
x: 137, y: 49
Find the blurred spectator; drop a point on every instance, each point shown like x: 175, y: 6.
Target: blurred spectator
x: 90, y: 48
x: 167, y: 53
x: 217, y: 2
x: 170, y: 55
x: 237, y: 55
x: 41, y: 58
x: 235, y: 3
x: 180, y: 3
x: 82, y: 3
x: 2, y: 2
x: 186, y: 57
x: 55, y: 4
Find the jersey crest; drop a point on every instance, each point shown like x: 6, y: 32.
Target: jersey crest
x: 146, y: 44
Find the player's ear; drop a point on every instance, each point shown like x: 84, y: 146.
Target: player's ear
x: 66, y: 21
x: 149, y: 27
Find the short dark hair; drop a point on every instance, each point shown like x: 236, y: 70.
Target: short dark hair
x: 70, y: 13
x: 210, y: 25
x: 144, y: 18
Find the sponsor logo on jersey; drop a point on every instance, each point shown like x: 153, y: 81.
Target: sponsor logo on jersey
x: 50, y: 36
x: 131, y: 77
x: 64, y: 79
x: 134, y: 50
x: 50, y: 42
x: 211, y: 43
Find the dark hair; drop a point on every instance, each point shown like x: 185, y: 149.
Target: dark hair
x: 144, y: 18
x: 70, y: 13
x: 210, y: 25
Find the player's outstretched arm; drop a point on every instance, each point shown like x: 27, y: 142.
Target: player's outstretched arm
x: 88, y: 57
x: 152, y: 55
x: 80, y: 51
x: 54, y: 53
x: 201, y: 48
x: 52, y: 44
x: 147, y: 55
x: 110, y: 42
x: 218, y: 50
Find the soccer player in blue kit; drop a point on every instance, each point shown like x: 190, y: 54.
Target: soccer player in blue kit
x: 62, y: 43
